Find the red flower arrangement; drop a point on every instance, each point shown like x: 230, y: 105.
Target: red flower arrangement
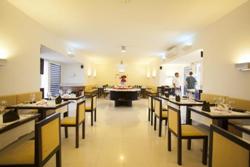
x: 123, y: 78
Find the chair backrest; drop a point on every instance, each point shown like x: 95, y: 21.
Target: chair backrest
x: 93, y: 101
x: 47, y: 138
x: 157, y: 106
x: 174, y: 120
x: 150, y: 102
x: 80, y: 111
x: 211, y: 98
x: 226, y: 149
x: 9, y: 99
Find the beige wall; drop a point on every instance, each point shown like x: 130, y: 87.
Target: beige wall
x: 225, y: 43
x: 20, y: 38
x: 107, y: 73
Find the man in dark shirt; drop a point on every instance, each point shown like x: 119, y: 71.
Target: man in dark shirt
x: 191, y: 81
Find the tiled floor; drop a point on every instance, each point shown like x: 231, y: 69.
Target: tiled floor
x: 122, y: 137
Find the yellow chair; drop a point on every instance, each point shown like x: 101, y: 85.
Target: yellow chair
x: 184, y: 132
x: 160, y: 114
x: 37, y: 152
x: 226, y: 149
x: 76, y: 121
x: 92, y: 108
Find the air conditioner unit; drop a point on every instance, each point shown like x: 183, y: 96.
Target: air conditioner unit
x: 243, y: 66
x: 2, y: 62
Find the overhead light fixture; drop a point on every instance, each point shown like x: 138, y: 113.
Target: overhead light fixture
x: 123, y: 49
x: 70, y: 53
x: 121, y: 67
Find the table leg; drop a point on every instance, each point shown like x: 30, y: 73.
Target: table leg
x: 188, y: 116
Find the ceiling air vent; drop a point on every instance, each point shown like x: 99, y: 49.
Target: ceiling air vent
x: 243, y: 66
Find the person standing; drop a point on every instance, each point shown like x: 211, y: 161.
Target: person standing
x: 191, y: 81
x: 176, y: 84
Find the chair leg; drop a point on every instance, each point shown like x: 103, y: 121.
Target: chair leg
x: 160, y: 126
x: 189, y: 144
x: 155, y: 123
x: 169, y: 140
x: 83, y: 130
x: 58, y: 158
x: 166, y: 122
x: 66, y: 131
x: 95, y: 115
x: 204, y: 152
x: 77, y: 136
x: 92, y: 119
x: 149, y: 114
x: 179, y: 151
x: 152, y: 117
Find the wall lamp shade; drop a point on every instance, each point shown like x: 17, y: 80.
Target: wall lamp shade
x: 243, y: 66
x: 89, y: 72
x: 2, y: 62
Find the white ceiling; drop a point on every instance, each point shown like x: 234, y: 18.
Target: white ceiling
x: 146, y: 27
x: 49, y: 54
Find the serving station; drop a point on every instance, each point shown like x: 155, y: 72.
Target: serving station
x: 123, y: 96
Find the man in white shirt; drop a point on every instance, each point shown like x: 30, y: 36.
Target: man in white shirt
x: 176, y: 83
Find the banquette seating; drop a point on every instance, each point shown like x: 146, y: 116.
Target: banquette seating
x: 20, y: 98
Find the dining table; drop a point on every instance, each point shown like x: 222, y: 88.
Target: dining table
x: 216, y: 115
x: 43, y: 107
x: 14, y: 130
x: 184, y: 102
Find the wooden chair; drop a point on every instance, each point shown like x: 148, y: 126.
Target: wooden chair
x: 226, y: 149
x: 150, y: 109
x: 92, y: 108
x: 76, y: 121
x: 184, y: 132
x: 36, y: 152
x: 160, y: 114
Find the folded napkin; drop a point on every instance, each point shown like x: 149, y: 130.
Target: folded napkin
x: 10, y: 116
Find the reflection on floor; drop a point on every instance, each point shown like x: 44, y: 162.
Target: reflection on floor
x: 122, y: 137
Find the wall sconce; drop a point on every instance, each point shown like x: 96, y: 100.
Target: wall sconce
x: 94, y: 73
x: 2, y: 62
x: 148, y: 74
x: 154, y: 73
x: 3, y: 57
x: 89, y: 72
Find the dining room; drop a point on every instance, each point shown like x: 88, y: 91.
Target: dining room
x: 125, y: 83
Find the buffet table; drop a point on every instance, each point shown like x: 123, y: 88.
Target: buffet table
x: 123, y: 96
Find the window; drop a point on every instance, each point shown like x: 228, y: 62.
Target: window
x: 55, y: 78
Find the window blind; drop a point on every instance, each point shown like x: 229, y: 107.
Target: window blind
x: 55, y: 79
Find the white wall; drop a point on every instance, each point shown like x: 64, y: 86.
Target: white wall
x: 72, y: 74
x: 225, y: 43
x: 20, y: 38
x: 168, y: 71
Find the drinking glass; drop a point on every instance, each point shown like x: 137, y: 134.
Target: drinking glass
x: 32, y: 98
x: 3, y: 105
